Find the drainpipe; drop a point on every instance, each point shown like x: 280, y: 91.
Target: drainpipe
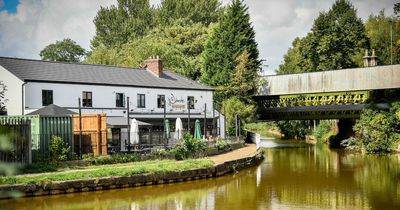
x: 23, y: 92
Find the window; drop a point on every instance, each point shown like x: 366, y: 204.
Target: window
x: 119, y: 100
x: 87, y: 99
x: 47, y: 97
x: 190, y: 100
x: 160, y: 101
x: 141, y: 101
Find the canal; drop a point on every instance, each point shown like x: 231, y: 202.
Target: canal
x: 294, y: 175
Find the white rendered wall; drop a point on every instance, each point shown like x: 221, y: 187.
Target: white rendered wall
x: 13, y: 95
x: 66, y: 95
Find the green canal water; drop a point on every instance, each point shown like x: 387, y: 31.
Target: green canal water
x: 293, y: 176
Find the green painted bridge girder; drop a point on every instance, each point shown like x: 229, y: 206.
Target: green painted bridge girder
x: 320, y: 99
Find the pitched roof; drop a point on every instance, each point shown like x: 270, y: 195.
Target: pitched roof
x: 48, y: 71
x: 52, y: 110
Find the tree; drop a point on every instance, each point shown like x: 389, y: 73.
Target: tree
x: 231, y: 36
x: 234, y: 106
x: 244, y: 82
x: 115, y: 25
x: 3, y: 100
x: 378, y: 28
x: 337, y: 40
x: 294, y: 60
x: 66, y: 50
x: 197, y: 11
x: 179, y: 45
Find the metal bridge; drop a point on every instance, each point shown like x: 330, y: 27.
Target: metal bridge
x: 334, y: 94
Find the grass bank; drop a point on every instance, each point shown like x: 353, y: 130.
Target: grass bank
x: 128, y: 169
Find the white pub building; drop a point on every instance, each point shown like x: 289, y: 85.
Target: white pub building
x: 34, y: 84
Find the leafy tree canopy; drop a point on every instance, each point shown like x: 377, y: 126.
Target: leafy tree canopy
x: 379, y: 30
x: 179, y: 45
x: 234, y: 106
x: 197, y: 11
x: 337, y: 40
x: 66, y: 50
x: 244, y: 82
x: 115, y: 25
x: 231, y: 36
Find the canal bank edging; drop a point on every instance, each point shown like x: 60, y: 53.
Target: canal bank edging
x: 104, y: 183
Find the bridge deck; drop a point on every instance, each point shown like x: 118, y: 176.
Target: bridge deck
x: 357, y: 79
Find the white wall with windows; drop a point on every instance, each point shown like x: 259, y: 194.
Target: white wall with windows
x: 112, y: 99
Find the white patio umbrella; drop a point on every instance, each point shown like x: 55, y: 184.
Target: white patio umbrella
x: 134, y: 132
x: 178, y: 129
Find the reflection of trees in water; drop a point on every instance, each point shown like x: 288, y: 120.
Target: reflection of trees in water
x: 379, y: 177
x: 322, y: 178
x: 307, y: 177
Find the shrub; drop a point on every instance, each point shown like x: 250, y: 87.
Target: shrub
x: 189, y: 148
x: 323, y: 131
x: 221, y: 144
x: 377, y: 131
x: 294, y: 128
x: 58, y: 150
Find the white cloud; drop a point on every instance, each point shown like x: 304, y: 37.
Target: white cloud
x: 38, y: 23
x: 277, y: 23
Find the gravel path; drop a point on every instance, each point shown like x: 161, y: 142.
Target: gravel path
x: 247, y: 151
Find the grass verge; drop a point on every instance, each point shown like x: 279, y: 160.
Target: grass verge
x: 155, y: 166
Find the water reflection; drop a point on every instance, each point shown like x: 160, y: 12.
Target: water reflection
x: 293, y: 176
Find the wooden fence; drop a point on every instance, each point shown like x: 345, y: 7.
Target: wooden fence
x: 94, y: 134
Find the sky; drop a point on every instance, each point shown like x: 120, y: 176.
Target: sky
x: 27, y: 26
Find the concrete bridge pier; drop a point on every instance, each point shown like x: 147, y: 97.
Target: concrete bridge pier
x: 345, y: 131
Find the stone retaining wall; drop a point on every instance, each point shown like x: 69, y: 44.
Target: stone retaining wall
x: 104, y: 183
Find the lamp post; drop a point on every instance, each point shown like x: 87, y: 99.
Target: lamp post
x: 189, y: 116
x: 129, y: 127
x: 205, y: 119
x: 165, y: 130
x: 80, y: 128
x: 391, y: 42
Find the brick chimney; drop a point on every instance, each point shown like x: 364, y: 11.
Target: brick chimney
x: 154, y: 64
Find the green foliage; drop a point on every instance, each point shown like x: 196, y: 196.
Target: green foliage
x: 294, y: 60
x: 189, y: 148
x: 115, y: 25
x: 197, y: 11
x: 244, y: 81
x: 58, y: 150
x: 39, y: 168
x: 3, y: 100
x: 377, y: 130
x: 261, y: 126
x: 66, y: 50
x: 337, y: 40
x: 232, y: 35
x: 294, y: 128
x: 222, y: 144
x: 179, y: 45
x: 154, y: 167
x: 234, y: 106
x: 323, y: 131
x: 378, y: 29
